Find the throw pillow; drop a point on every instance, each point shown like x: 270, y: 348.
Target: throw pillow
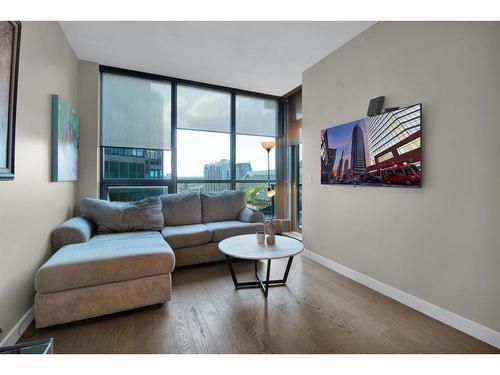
x: 109, y: 217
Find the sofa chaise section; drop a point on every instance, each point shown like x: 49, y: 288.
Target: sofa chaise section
x: 107, y: 274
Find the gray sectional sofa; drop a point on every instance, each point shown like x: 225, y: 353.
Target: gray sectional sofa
x: 120, y: 256
x: 196, y: 223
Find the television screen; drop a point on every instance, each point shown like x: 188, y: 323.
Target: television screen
x: 382, y: 150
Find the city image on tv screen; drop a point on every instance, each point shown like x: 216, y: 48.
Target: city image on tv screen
x: 382, y: 150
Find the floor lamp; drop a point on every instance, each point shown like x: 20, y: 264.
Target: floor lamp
x: 268, y: 146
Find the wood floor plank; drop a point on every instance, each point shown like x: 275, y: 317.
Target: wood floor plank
x: 200, y: 332
x: 231, y: 306
x: 180, y: 329
x: 214, y: 322
x: 143, y: 334
x: 163, y: 326
x: 240, y: 339
x: 318, y: 311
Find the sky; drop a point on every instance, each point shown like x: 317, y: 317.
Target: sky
x: 195, y: 149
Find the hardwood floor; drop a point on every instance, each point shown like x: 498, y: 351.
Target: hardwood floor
x: 319, y: 311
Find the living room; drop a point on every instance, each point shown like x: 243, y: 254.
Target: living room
x: 199, y: 187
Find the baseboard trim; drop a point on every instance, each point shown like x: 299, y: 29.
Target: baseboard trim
x: 19, y: 328
x: 473, y: 329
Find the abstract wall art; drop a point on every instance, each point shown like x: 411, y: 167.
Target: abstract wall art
x: 65, y: 140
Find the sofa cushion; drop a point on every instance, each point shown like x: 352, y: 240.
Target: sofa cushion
x: 222, y: 206
x: 144, y: 215
x: 106, y: 258
x: 181, y: 209
x: 187, y: 235
x: 205, y: 253
x: 225, y: 229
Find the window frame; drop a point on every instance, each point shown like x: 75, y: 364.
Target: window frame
x: 171, y: 183
x: 294, y: 175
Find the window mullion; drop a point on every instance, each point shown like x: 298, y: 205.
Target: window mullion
x: 233, y: 141
x: 173, y: 141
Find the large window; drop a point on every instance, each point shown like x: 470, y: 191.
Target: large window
x: 135, y: 135
x: 256, y: 122
x: 162, y: 135
x: 203, y: 134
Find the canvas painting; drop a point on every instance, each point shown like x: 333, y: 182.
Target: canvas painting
x: 6, y: 40
x: 65, y: 140
x: 382, y: 150
x: 9, y: 49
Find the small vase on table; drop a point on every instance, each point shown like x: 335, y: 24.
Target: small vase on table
x: 271, y: 236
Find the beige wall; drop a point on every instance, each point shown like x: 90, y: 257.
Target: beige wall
x: 88, y: 106
x: 440, y: 243
x: 31, y: 205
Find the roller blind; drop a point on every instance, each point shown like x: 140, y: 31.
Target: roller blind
x: 135, y: 112
x: 256, y: 116
x: 203, y: 109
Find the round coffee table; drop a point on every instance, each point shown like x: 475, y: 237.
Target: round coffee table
x: 246, y: 247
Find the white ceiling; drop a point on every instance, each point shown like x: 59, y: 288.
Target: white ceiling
x: 267, y: 57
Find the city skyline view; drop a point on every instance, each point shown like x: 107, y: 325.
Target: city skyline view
x: 127, y: 163
x: 248, y: 149
x: 123, y: 163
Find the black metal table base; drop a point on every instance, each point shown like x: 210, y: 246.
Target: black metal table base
x: 263, y: 284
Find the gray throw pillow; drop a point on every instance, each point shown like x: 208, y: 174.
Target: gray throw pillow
x: 222, y: 206
x: 181, y: 208
x: 109, y: 217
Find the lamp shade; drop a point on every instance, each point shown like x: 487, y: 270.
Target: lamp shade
x: 268, y: 145
x: 270, y: 192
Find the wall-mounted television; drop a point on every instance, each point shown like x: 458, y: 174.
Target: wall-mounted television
x: 383, y: 150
